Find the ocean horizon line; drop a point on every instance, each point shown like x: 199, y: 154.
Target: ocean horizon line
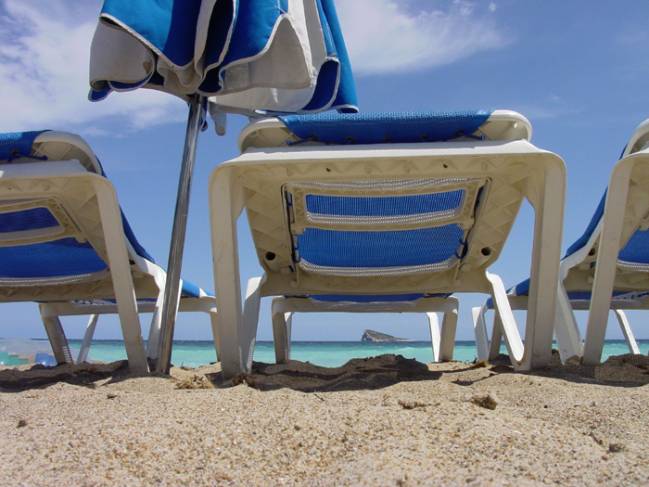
x: 292, y: 341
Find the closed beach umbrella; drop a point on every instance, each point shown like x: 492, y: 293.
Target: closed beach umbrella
x: 252, y: 57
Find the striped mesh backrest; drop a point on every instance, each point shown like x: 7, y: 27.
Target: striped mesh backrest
x: 383, y: 208
x: 393, y: 234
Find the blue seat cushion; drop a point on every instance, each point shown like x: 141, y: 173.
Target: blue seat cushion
x: 191, y: 290
x: 14, y: 145
x: 523, y: 289
x: 381, y: 128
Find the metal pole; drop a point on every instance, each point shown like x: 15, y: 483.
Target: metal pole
x: 172, y: 285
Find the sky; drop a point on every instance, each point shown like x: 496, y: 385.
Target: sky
x: 575, y: 69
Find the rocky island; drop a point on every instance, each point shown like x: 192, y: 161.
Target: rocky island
x: 378, y: 337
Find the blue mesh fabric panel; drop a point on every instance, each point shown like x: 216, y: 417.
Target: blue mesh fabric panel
x: 32, y: 219
x: 390, y: 127
x: 379, y: 249
x: 384, y: 205
x: 637, y: 248
x: 59, y: 258
x: 17, y: 144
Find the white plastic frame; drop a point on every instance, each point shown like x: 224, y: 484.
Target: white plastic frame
x: 540, y: 177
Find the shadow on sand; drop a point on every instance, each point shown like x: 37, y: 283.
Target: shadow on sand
x: 386, y: 370
x: 86, y: 375
x: 357, y: 374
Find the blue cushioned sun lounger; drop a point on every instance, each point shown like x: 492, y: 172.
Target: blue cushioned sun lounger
x: 596, y: 277
x: 382, y: 212
x: 65, y: 244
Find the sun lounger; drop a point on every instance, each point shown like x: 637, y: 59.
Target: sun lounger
x: 387, y: 204
x: 65, y: 244
x: 593, y: 276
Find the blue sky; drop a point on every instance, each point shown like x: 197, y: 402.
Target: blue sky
x: 575, y: 69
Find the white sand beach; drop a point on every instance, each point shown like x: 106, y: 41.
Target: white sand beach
x: 383, y: 421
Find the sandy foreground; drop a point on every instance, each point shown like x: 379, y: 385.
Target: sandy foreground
x: 382, y: 421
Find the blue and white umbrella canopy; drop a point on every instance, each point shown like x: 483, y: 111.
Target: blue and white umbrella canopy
x: 248, y: 56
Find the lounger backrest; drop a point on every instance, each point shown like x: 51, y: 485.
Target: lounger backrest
x: 355, y: 207
x: 39, y: 238
x: 634, y: 251
x: 636, y: 236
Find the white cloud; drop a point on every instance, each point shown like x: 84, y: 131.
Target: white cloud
x: 384, y: 37
x: 44, y: 58
x: 553, y: 106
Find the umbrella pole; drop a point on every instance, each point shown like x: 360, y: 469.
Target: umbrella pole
x: 172, y: 285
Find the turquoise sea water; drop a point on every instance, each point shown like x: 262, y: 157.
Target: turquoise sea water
x: 329, y: 354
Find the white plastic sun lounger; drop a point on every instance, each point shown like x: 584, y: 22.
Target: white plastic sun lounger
x: 596, y: 277
x: 65, y: 244
x: 383, y: 205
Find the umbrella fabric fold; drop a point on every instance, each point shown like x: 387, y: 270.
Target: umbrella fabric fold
x: 252, y: 56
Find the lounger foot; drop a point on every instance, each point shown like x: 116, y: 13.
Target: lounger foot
x: 282, y: 325
x: 56, y: 336
x: 87, y: 339
x: 449, y: 327
x: 435, y: 335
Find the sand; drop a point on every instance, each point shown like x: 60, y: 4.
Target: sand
x: 385, y: 421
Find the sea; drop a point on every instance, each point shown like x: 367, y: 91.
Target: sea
x: 327, y: 354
